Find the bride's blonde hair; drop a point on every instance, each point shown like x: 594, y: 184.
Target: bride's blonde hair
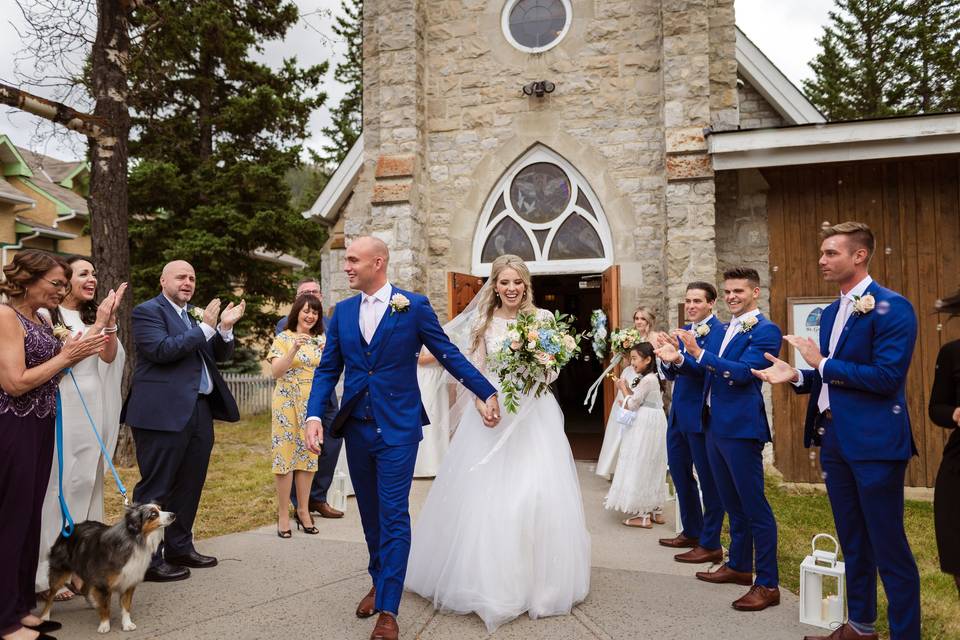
x: 489, y: 301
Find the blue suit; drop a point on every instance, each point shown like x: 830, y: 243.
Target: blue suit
x: 736, y: 427
x: 382, y: 417
x: 865, y: 448
x: 172, y: 422
x: 327, y: 462
x: 687, y: 448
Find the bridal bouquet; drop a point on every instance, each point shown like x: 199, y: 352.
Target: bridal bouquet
x: 533, y: 349
x: 622, y: 340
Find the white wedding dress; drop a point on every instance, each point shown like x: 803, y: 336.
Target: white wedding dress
x: 502, y: 531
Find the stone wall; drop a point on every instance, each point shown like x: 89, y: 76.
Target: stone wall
x: 755, y: 111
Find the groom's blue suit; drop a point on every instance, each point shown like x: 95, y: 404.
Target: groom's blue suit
x: 381, y: 418
x: 866, y: 443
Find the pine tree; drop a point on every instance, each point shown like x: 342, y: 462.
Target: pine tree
x: 931, y: 55
x: 859, y: 74
x: 348, y: 115
x: 216, y: 131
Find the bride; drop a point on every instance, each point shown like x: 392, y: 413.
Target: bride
x: 502, y: 531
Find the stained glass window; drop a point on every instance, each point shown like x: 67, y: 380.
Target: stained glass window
x: 536, y: 25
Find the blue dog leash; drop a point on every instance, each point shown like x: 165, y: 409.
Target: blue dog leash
x: 67, y: 520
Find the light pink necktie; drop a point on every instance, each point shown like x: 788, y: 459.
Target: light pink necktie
x: 367, y: 319
x: 823, y: 401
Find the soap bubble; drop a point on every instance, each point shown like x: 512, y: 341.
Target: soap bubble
x: 821, y: 431
x: 897, y: 409
x: 726, y: 374
x: 883, y: 307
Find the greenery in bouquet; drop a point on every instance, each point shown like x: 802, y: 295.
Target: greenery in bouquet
x: 534, y: 349
x: 622, y: 340
x: 598, y: 325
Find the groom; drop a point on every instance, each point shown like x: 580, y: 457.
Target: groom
x: 375, y: 337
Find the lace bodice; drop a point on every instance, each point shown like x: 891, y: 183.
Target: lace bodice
x: 39, y: 345
x: 645, y: 394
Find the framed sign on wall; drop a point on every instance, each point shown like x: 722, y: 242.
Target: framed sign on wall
x: 803, y: 320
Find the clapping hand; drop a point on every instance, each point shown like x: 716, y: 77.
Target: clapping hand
x: 809, y: 349
x: 211, y: 313
x: 689, y: 341
x: 231, y: 314
x: 76, y: 349
x: 314, y: 436
x: 668, y: 352
x: 107, y: 310
x: 777, y: 373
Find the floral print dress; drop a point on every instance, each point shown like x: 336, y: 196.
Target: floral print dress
x: 289, y: 411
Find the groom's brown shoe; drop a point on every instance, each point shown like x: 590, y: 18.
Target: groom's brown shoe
x: 844, y: 632
x: 680, y: 542
x: 758, y: 598
x: 699, y: 555
x: 366, y: 607
x: 386, y: 628
x: 725, y: 574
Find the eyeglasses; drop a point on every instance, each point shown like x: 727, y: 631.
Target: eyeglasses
x: 58, y: 284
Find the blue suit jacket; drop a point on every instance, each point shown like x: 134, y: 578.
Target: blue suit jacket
x: 867, y: 378
x: 686, y: 405
x: 736, y: 398
x: 387, y: 367
x: 166, y: 380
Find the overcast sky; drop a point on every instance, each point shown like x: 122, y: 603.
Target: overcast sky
x: 785, y: 30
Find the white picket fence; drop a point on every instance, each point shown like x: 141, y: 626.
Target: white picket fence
x: 252, y: 392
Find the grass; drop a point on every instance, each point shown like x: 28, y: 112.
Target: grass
x: 239, y: 487
x: 240, y: 491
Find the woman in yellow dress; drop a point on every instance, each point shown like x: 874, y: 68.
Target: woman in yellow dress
x: 294, y: 355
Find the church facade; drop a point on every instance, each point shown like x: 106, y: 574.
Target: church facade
x: 619, y: 147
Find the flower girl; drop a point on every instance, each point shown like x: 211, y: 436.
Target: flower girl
x: 639, y: 481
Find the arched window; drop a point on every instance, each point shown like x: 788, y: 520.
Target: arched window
x: 535, y: 26
x: 544, y: 211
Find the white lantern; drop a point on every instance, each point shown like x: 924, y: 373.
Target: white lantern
x: 817, y: 607
x: 337, y: 493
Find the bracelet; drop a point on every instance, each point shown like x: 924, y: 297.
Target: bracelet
x: 112, y: 329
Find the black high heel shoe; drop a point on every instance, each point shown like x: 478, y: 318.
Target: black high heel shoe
x: 306, y: 529
x: 283, y: 534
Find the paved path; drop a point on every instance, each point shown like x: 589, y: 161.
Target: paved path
x: 307, y: 587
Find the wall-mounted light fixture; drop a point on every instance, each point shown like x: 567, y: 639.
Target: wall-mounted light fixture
x: 539, y: 88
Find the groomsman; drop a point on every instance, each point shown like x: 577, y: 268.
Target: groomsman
x: 175, y: 395
x: 735, y: 421
x: 858, y: 416
x: 687, y: 444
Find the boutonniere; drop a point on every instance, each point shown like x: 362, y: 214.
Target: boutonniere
x: 862, y: 305
x: 60, y: 332
x: 197, y: 314
x: 399, y: 303
x: 748, y: 324
x: 702, y: 330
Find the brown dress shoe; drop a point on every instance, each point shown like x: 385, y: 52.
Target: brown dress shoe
x: 845, y: 632
x: 325, y: 510
x: 366, y: 607
x: 699, y: 555
x: 726, y: 574
x: 758, y: 599
x: 680, y: 542
x: 386, y: 628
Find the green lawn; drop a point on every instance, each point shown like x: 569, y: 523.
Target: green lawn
x: 240, y: 492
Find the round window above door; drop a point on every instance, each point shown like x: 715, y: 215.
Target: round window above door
x: 535, y: 26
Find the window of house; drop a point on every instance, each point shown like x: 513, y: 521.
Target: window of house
x: 536, y: 25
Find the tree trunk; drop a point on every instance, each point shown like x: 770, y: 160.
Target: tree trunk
x: 108, y: 176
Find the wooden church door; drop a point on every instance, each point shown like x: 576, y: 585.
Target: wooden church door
x: 461, y: 288
x: 610, y: 303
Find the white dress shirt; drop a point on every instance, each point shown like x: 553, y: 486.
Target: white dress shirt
x: 208, y: 332
x: 372, y: 310
x: 732, y: 329
x: 847, y: 301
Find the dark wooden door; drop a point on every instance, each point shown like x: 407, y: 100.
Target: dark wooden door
x: 461, y: 288
x: 610, y: 303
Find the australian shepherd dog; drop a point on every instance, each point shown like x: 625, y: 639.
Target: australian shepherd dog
x: 108, y: 560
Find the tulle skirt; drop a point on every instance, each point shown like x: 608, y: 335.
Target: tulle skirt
x: 502, y: 531
x: 639, y: 482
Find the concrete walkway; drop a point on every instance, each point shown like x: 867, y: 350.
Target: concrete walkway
x: 307, y: 587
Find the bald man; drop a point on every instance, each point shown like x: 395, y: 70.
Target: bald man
x: 175, y: 395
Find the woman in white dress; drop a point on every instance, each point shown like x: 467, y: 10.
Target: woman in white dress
x: 435, y: 393
x: 639, y: 482
x: 502, y: 531
x: 643, y: 321
x: 98, y: 378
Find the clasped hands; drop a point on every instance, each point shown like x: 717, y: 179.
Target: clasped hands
x: 231, y: 314
x: 489, y: 411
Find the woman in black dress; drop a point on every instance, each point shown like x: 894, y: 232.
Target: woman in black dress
x: 945, y: 412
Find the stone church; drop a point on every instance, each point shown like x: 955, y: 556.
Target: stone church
x: 624, y: 148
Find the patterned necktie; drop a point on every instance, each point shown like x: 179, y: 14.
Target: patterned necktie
x: 204, y: 376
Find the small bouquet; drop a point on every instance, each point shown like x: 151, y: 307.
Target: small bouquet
x: 533, y: 349
x: 622, y: 340
x: 598, y: 322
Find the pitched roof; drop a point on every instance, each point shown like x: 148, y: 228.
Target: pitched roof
x: 48, y: 173
x: 10, y: 194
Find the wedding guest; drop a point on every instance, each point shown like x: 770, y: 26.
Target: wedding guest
x: 294, y: 355
x: 644, y: 321
x: 735, y: 421
x: 327, y: 462
x: 176, y: 394
x: 687, y: 443
x: 98, y: 379
x: 639, y: 482
x: 858, y: 416
x: 945, y: 412
x: 31, y: 360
